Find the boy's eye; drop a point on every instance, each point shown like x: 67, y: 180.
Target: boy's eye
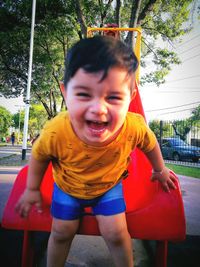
x: 115, y: 97
x: 82, y: 94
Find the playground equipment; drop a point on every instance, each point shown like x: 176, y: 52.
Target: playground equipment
x: 152, y: 214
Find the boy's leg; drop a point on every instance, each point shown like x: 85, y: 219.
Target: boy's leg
x: 62, y: 234
x: 65, y: 211
x: 115, y: 233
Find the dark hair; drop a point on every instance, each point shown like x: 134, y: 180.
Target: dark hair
x: 99, y: 53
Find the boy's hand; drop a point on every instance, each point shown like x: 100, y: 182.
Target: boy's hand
x: 27, y: 200
x: 165, y: 178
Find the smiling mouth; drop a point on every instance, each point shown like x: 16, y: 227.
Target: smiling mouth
x: 97, y: 125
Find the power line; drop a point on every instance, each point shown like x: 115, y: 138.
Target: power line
x: 189, y: 40
x: 186, y: 78
x: 175, y: 92
x: 177, y: 87
x: 173, y: 107
x: 189, y: 58
x: 189, y: 49
x: 177, y: 111
x: 186, y: 87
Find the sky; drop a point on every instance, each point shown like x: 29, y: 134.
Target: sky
x: 173, y: 100
x: 176, y: 98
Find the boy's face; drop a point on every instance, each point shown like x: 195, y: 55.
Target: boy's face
x: 97, y: 108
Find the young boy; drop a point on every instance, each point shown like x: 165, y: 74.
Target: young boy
x: 89, y: 146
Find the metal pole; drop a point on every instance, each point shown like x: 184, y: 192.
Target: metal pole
x: 19, y: 125
x: 20, y: 106
x: 161, y: 134
x: 27, y: 106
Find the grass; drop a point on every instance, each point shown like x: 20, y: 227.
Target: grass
x: 3, y: 144
x: 184, y: 170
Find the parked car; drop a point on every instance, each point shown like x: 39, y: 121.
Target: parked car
x: 177, y: 149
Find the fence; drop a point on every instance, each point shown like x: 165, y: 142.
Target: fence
x: 179, y: 140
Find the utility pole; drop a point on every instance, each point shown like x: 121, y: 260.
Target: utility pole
x: 20, y: 106
x: 27, y: 101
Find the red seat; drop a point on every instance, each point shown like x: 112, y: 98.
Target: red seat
x: 152, y: 214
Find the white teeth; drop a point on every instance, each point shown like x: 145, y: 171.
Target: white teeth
x: 97, y: 130
x: 97, y: 122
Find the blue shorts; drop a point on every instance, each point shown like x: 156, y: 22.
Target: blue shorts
x: 66, y: 207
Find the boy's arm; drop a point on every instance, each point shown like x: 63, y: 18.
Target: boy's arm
x: 31, y: 194
x: 35, y: 173
x: 160, y: 172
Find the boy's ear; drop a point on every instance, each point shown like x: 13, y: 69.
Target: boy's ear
x: 133, y: 94
x: 62, y: 88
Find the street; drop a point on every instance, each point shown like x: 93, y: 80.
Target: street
x: 8, y: 150
x: 7, y: 178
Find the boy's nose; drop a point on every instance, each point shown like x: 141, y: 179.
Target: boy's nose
x: 98, y: 107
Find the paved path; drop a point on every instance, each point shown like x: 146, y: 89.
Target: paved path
x: 190, y: 188
x: 7, y: 178
x: 9, y: 150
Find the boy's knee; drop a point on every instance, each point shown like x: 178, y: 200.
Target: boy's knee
x: 59, y: 236
x: 115, y: 234
x: 63, y: 232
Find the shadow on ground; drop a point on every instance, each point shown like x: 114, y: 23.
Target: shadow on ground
x: 184, y: 254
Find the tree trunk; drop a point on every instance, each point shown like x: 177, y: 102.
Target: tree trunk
x: 80, y: 18
x: 135, y: 10
x: 145, y: 11
x: 117, y: 12
x: 54, y: 107
x: 45, y: 106
x: 104, y: 10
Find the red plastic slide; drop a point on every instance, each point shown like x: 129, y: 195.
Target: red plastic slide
x: 152, y: 214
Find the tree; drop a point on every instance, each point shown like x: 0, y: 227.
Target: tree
x: 52, y: 37
x: 160, y: 129
x: 195, y: 117
x: 18, y: 121
x: 181, y: 128
x: 5, y: 121
x: 60, y: 23
x: 37, y: 119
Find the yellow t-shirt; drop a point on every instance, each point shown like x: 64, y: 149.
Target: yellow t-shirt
x: 85, y: 171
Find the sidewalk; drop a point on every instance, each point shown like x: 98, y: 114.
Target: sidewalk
x: 12, y: 155
x: 90, y: 251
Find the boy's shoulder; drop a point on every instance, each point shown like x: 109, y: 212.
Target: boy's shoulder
x: 135, y: 117
x: 61, y: 115
x: 136, y: 121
